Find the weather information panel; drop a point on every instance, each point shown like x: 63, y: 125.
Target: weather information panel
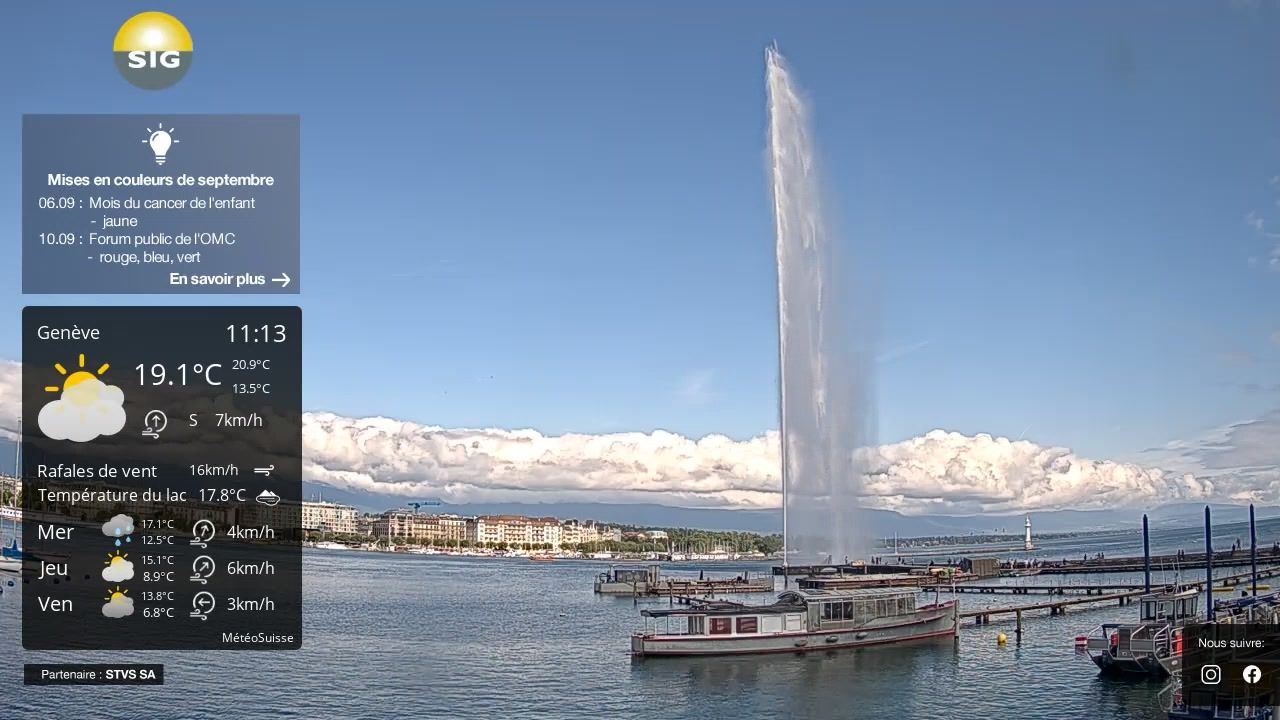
x: 161, y: 458
x: 160, y: 204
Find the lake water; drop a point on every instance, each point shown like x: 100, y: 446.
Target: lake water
x: 405, y: 636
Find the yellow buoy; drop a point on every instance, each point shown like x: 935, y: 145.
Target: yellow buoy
x: 1001, y: 639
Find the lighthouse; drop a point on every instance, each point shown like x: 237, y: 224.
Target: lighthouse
x: 1026, y: 539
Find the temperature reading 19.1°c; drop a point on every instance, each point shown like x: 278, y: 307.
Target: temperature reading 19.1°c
x: 181, y: 375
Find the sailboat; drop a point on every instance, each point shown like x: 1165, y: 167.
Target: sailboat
x: 11, y: 554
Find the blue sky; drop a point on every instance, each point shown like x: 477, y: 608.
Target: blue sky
x: 556, y: 216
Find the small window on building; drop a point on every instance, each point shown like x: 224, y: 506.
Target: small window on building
x: 747, y: 625
x: 721, y: 626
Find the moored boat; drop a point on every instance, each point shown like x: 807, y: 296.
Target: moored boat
x: 798, y: 621
x: 1152, y: 646
x: 329, y: 545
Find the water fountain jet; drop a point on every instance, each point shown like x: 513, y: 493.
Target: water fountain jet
x: 825, y: 407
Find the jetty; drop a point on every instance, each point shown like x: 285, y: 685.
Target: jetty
x: 1185, y: 561
x: 648, y: 581
x: 983, y: 616
x: 1065, y: 566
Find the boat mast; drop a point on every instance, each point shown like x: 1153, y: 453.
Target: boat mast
x: 774, y: 142
x: 17, y: 477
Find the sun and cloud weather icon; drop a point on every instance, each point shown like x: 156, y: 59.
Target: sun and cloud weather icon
x: 87, y: 408
x: 117, y: 569
x: 118, y: 604
x: 119, y: 527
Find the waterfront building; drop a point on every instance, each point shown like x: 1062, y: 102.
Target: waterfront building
x: 512, y: 530
x: 517, y: 530
x: 419, y: 526
x: 327, y: 517
x: 396, y: 524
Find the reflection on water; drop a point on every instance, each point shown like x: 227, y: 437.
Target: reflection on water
x: 427, y: 637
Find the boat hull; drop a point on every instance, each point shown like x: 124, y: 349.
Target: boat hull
x: 926, y: 623
x: 1147, y: 665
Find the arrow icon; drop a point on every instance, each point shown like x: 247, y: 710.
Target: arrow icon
x: 284, y: 280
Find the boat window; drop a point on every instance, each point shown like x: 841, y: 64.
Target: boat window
x: 863, y: 610
x: 837, y: 610
x: 721, y: 626
x: 1148, y: 610
x: 747, y: 625
x: 697, y: 625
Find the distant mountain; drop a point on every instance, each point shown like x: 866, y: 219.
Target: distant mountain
x: 878, y: 523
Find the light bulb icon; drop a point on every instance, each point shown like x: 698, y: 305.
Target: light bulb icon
x: 160, y: 140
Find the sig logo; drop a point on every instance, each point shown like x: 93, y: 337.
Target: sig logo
x: 152, y: 50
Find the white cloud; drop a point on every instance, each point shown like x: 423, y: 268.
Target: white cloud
x: 936, y: 472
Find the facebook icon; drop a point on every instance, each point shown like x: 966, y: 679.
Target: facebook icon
x: 1252, y: 674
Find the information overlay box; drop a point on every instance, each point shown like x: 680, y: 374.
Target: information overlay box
x: 160, y: 204
x: 1229, y: 664
x: 162, y: 478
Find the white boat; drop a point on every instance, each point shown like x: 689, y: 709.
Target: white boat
x: 799, y: 621
x: 10, y: 566
x: 330, y: 545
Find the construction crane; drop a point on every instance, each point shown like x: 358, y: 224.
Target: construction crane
x: 419, y: 505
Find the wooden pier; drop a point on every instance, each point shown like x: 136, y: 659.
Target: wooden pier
x: 692, y: 588
x: 1124, y: 597
x: 1040, y: 589
x: 1188, y: 561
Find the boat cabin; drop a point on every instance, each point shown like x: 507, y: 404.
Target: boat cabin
x: 848, y: 608
x: 797, y: 611
x: 1176, y: 608
x: 1153, y: 646
x: 627, y: 579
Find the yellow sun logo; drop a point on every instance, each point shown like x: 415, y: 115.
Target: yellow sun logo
x: 76, y: 377
x: 115, y: 594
